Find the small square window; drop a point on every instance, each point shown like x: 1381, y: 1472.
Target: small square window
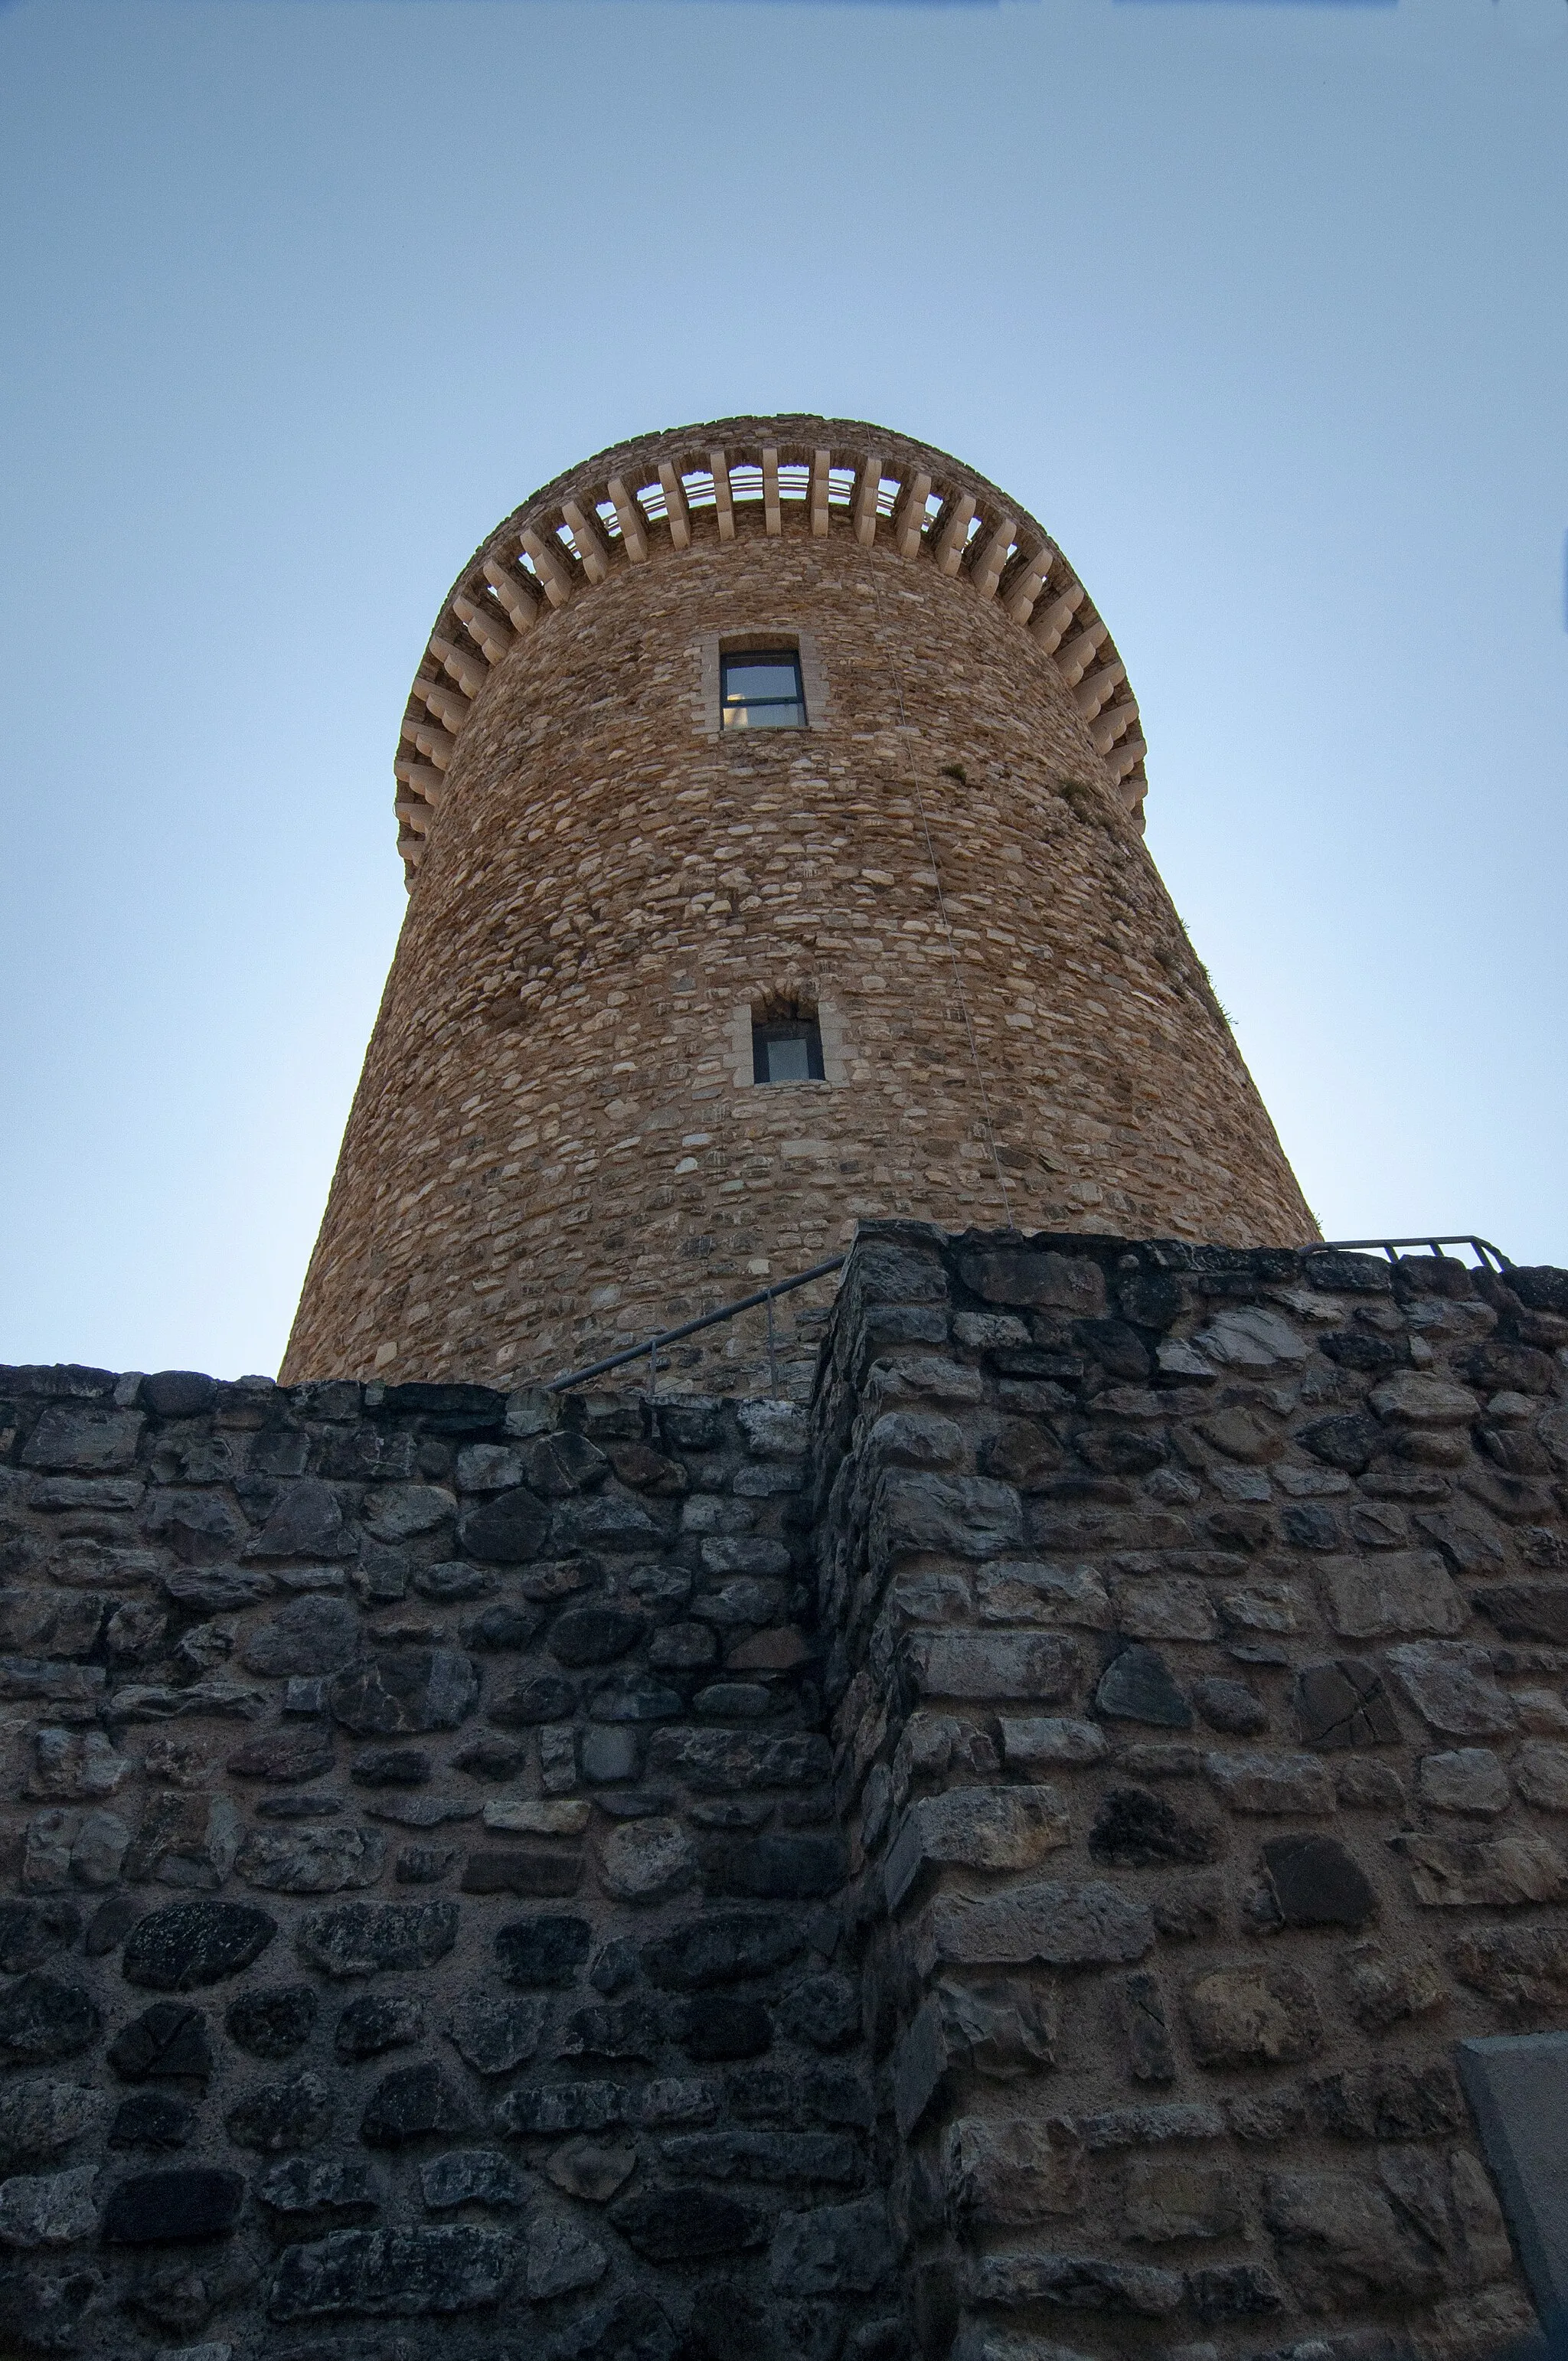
x: 761, y: 690
x: 790, y: 1051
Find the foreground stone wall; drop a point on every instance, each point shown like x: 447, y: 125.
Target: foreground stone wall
x: 623, y: 1886
x: 1199, y: 1627
x: 421, y: 1839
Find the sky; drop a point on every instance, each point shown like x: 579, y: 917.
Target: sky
x: 1260, y: 306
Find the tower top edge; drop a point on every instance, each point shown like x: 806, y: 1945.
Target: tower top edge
x: 832, y: 474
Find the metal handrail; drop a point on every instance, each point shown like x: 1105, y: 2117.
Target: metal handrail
x: 690, y: 1327
x: 1484, y: 1247
x: 656, y: 1345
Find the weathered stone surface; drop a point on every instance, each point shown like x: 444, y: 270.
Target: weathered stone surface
x: 592, y: 2169
x: 545, y: 1697
x: 965, y: 1516
x: 186, y: 2202
x: 1469, y: 1779
x: 396, y: 2274
x: 1136, y: 1829
x: 1001, y: 1665
x: 833, y: 2250
x: 1240, y: 2016
x: 1271, y: 1783
x: 1412, y: 1399
x: 40, y: 2118
x: 1150, y: 2056
x: 1057, y: 1925
x: 166, y: 2042
x: 645, y: 1861
x: 90, y: 1439
x: 52, y: 2208
x: 1078, y: 2283
x: 1343, y: 1704
x: 974, y: 1828
x: 686, y: 2225
x: 190, y: 1944
x: 273, y: 2024
x: 1250, y: 1336
x: 561, y: 2258
x: 480, y: 2175
x: 1504, y: 1871
x: 414, y: 1689
x: 724, y: 1947
x: 682, y: 1719
x: 1396, y: 2101
x: 542, y: 1952
x: 1008, y: 2171
x: 1034, y: 1742
x: 1390, y: 1596
x: 312, y: 1634
x: 273, y: 2116
x: 1231, y: 1706
x: 41, y: 2019
x: 1137, y: 1686
x: 535, y: 1872
x: 1453, y: 1688
x: 1036, y: 1276
x: 1525, y: 1969
x: 1541, y: 1770
x: 416, y: 2102
x: 718, y: 1762
x: 1316, y: 1883
x: 284, y: 1756
x: 153, y: 2120
x: 338, y: 2193
x: 312, y: 1861
x: 378, y: 2022
x: 1527, y: 1610
x: 1180, y: 2197
x: 396, y: 1513
x: 1385, y: 1989
x: 1340, y: 2242
x: 495, y: 2036
x: 356, y: 1938
x: 71, y: 1766
x: 32, y: 1932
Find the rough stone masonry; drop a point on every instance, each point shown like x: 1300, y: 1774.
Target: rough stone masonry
x: 992, y: 1866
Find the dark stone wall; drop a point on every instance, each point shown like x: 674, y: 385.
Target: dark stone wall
x: 426, y: 1878
x: 994, y: 1866
x: 1198, y: 1627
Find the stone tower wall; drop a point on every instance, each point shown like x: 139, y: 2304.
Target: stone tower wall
x: 996, y: 1867
x: 556, y: 1145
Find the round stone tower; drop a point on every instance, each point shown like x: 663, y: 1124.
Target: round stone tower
x: 770, y: 794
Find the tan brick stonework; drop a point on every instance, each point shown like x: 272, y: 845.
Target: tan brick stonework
x: 555, y: 1146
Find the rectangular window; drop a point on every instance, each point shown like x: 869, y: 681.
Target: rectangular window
x: 761, y: 690
x: 790, y: 1051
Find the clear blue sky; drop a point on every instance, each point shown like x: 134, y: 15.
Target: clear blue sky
x: 1261, y: 308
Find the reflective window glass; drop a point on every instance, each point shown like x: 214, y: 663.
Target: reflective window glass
x: 761, y: 690
x: 787, y: 1052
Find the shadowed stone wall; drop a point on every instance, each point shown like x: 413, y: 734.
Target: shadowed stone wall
x: 1006, y: 1883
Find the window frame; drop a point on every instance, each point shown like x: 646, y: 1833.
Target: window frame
x: 734, y: 712
x: 787, y: 1029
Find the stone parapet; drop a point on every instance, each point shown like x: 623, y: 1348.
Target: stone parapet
x: 995, y: 1864
x: 1197, y: 1676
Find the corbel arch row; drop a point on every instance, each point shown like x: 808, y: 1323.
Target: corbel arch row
x: 803, y: 476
